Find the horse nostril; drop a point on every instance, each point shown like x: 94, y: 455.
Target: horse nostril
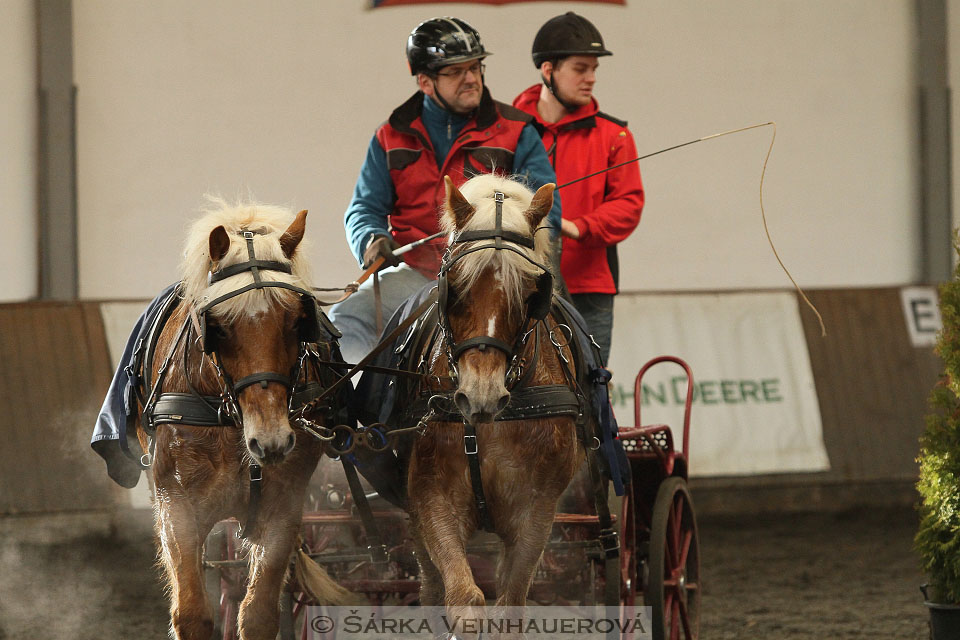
x: 291, y: 441
x: 462, y: 402
x: 255, y: 448
x: 503, y: 402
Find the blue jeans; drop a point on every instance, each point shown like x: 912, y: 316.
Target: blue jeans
x: 597, y: 311
x: 356, y: 316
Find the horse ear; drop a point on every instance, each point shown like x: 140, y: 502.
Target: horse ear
x: 457, y: 204
x: 294, y: 234
x: 541, y: 204
x: 219, y: 244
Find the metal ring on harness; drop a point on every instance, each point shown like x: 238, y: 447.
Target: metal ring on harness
x: 368, y: 439
x: 566, y: 339
x: 351, y: 442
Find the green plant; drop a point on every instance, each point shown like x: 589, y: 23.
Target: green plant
x: 938, y: 538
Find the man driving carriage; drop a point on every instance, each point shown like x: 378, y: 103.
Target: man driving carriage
x: 450, y: 126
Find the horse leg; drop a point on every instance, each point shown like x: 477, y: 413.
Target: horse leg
x: 181, y: 545
x: 431, y: 582
x: 259, y: 617
x: 444, y: 538
x: 521, y: 554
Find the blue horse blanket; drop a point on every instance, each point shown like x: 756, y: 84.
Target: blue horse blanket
x: 120, y: 405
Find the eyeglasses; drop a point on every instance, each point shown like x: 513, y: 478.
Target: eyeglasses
x: 458, y: 74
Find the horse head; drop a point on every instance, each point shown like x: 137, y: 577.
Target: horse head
x: 494, y: 280
x: 245, y: 281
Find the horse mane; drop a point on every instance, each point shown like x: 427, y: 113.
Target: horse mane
x: 515, y: 271
x: 269, y: 223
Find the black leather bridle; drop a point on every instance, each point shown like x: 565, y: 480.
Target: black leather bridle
x: 538, y: 304
x: 309, y: 328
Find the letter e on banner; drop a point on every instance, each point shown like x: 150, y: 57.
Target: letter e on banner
x: 922, y: 315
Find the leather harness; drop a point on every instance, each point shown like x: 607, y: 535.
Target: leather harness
x: 318, y: 343
x: 526, y: 402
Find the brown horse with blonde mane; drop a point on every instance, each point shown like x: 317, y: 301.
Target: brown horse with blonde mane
x: 493, y: 345
x: 239, y: 341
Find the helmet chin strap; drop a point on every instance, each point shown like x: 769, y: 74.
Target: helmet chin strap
x: 443, y: 103
x: 549, y: 84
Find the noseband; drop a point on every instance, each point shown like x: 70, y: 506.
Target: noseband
x: 538, y: 305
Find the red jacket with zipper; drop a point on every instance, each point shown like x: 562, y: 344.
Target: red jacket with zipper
x: 606, y: 208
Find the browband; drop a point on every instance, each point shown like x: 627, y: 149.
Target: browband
x: 489, y: 234
x: 234, y: 269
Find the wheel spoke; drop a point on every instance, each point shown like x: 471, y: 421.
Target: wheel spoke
x: 674, y: 615
x: 685, y: 550
x: 684, y: 617
x: 674, y: 529
x: 669, y: 556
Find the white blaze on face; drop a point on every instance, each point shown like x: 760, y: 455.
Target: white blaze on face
x: 482, y: 392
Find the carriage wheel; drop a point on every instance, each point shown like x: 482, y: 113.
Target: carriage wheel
x: 673, y: 591
x: 629, y: 579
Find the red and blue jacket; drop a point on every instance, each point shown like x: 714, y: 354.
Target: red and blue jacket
x: 400, y: 188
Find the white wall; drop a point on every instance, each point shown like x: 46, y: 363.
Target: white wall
x: 179, y: 98
x: 18, y: 151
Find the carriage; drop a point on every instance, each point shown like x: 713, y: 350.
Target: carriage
x: 658, y: 563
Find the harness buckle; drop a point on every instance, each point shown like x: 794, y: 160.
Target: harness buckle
x: 378, y: 553
x: 470, y: 445
x: 610, y: 542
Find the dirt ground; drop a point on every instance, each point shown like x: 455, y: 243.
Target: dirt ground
x: 849, y: 575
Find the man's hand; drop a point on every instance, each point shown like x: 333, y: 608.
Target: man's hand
x: 568, y: 229
x: 381, y: 246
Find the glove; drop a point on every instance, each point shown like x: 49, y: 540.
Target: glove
x: 381, y: 246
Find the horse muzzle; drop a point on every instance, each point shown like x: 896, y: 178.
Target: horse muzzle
x: 269, y: 445
x: 481, y: 407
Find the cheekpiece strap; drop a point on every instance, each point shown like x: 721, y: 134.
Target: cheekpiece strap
x: 498, y: 198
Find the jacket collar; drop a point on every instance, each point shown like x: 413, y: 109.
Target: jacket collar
x: 403, y: 116
x: 582, y: 118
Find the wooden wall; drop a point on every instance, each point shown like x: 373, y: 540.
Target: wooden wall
x: 54, y: 371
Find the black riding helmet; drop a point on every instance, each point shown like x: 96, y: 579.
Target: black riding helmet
x: 438, y: 42
x: 567, y: 35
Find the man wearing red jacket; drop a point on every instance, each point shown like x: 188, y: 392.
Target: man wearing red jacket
x: 601, y: 211
x: 450, y: 126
